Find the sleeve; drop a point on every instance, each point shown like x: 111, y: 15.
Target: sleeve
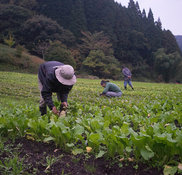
x: 106, y: 89
x: 63, y: 97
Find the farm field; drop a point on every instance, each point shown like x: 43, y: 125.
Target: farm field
x: 138, y: 133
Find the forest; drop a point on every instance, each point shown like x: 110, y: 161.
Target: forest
x: 96, y: 37
x: 179, y: 41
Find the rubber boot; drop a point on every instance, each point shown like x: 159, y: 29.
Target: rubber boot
x: 43, y: 110
x: 125, y: 88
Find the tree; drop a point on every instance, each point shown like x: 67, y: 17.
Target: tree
x: 166, y: 64
x: 77, y: 22
x: 135, y: 14
x: 10, y: 40
x: 158, y: 23
x: 29, y: 4
x: 40, y: 29
x: 95, y: 41
x: 139, y: 45
x: 169, y: 42
x: 59, y: 52
x: 144, y: 14
x: 150, y: 16
x: 102, y: 66
x: 11, y: 19
x: 41, y: 48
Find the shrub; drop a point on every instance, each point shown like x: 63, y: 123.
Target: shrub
x: 59, y: 52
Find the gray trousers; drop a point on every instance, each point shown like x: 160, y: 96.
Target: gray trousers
x: 113, y: 94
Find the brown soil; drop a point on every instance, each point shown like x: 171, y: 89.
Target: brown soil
x: 35, y: 154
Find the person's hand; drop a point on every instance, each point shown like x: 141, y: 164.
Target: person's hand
x: 55, y: 111
x: 102, y: 94
x: 63, y: 109
x: 65, y: 104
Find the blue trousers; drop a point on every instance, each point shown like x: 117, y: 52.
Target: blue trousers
x: 127, y: 82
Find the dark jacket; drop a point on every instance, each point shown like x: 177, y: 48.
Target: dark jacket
x: 46, y: 75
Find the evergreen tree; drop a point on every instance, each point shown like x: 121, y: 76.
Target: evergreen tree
x: 78, y: 21
x: 150, y: 16
x: 158, y: 24
x: 144, y: 16
x: 169, y: 42
x: 135, y: 15
x: 138, y: 9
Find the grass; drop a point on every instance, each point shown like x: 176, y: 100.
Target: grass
x: 21, y: 87
x: 16, y: 60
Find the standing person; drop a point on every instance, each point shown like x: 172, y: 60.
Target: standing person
x: 110, y: 89
x: 54, y: 76
x: 127, y: 77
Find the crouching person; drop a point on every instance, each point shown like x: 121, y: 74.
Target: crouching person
x: 54, y: 76
x: 110, y: 89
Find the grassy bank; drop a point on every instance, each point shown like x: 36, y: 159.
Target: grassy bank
x: 18, y: 60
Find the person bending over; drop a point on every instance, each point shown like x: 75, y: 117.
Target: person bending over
x: 54, y: 76
x: 110, y: 89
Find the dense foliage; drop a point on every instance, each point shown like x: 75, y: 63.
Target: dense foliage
x: 142, y: 126
x: 179, y: 41
x: 59, y: 52
x: 133, y: 35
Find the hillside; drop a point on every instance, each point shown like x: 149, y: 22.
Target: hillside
x: 97, y: 37
x: 15, y: 59
x: 179, y: 41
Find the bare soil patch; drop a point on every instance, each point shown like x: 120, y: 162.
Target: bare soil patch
x: 41, y: 158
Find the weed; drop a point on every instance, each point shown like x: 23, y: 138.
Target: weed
x: 50, y: 160
x: 11, y: 165
x: 90, y: 168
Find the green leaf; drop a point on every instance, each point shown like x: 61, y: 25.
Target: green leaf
x: 94, y: 137
x: 124, y: 128
x: 146, y: 153
x: 95, y: 124
x: 78, y: 130
x: 128, y: 149
x: 169, y: 170
x: 100, y: 154
x: 70, y: 145
x: 49, y: 139
x: 77, y: 151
